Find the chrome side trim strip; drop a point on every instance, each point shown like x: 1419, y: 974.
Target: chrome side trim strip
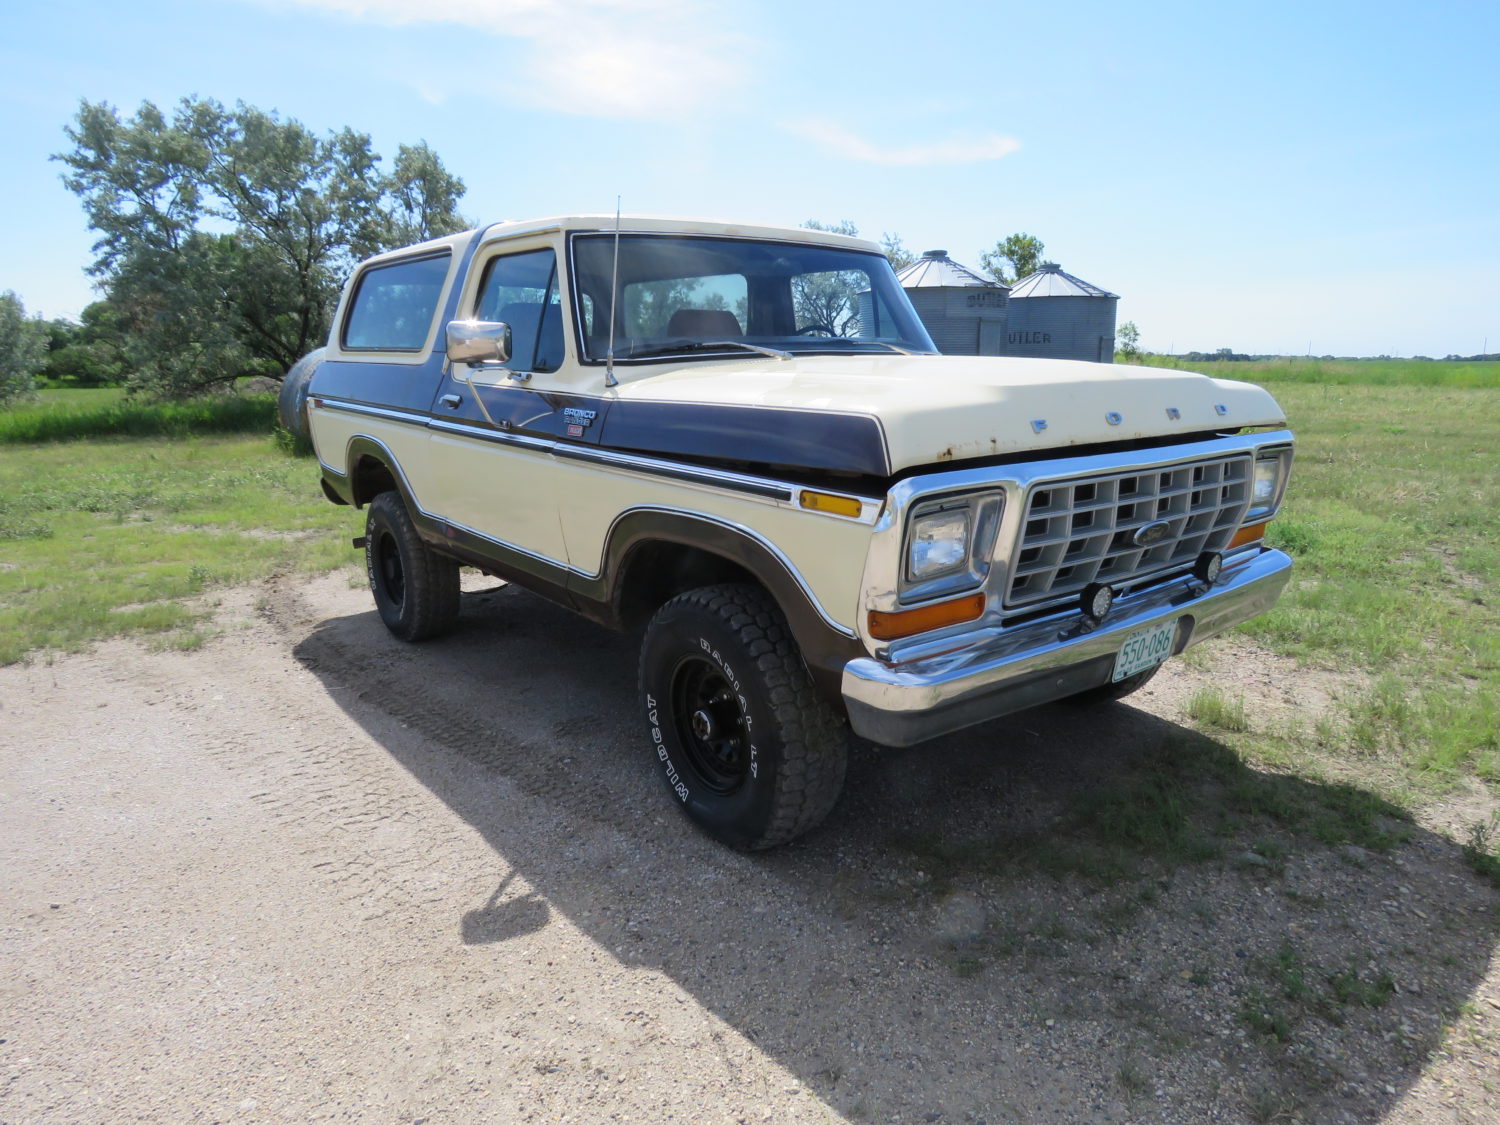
x: 494, y: 437
x: 692, y: 474
x: 390, y: 415
x: 718, y: 478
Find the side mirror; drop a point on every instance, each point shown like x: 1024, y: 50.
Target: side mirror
x: 478, y: 341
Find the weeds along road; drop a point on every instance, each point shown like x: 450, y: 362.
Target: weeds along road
x: 307, y: 873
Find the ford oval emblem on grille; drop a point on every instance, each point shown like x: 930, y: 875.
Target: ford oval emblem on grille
x: 1151, y: 534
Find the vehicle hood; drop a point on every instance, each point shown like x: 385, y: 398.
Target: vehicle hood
x: 933, y: 409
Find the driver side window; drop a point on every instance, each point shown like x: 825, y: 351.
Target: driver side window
x: 522, y: 291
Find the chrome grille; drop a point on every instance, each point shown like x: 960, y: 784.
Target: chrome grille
x: 1080, y: 531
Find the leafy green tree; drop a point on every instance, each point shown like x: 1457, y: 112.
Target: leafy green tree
x: 423, y: 198
x: 1128, y: 339
x: 60, y: 332
x: 23, y: 349
x: 225, y: 234
x: 900, y: 257
x: 829, y: 302
x: 89, y: 353
x: 1022, y: 253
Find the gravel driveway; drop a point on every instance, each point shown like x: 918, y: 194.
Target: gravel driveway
x: 307, y: 873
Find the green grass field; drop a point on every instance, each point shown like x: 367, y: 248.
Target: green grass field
x: 1346, y: 372
x: 1393, y: 516
x: 71, y: 415
x: 108, y: 536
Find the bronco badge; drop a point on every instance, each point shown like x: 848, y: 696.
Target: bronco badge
x: 578, y: 420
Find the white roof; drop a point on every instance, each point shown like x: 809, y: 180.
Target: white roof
x: 935, y: 268
x: 1051, y: 281
x: 663, y: 224
x: 632, y: 224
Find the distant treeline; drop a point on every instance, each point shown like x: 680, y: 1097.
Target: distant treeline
x: 1371, y: 372
x: 1229, y: 355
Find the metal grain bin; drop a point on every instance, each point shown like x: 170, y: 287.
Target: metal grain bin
x: 964, y: 311
x: 1054, y: 315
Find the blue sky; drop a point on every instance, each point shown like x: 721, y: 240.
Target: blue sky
x: 1271, y: 177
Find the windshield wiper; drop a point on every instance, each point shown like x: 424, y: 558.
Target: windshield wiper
x: 894, y: 347
x: 701, y: 345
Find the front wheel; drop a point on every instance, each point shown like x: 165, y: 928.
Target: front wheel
x: 415, y: 588
x: 741, y: 738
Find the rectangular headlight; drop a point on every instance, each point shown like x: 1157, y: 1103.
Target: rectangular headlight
x: 1268, y: 484
x: 949, y: 541
x: 939, y: 544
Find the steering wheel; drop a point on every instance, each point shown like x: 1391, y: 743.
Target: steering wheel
x: 809, y: 329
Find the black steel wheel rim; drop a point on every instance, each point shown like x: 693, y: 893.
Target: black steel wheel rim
x: 710, y: 723
x: 388, y: 567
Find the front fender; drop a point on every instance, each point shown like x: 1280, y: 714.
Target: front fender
x: 826, y: 646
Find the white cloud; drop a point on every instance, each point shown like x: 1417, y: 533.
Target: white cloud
x: 597, y: 58
x: 848, y: 144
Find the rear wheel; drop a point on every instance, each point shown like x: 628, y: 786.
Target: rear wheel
x: 742, y: 740
x: 415, y: 588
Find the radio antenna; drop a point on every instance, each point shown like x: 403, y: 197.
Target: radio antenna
x: 614, y: 295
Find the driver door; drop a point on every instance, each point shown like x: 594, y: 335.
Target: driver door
x: 493, y: 425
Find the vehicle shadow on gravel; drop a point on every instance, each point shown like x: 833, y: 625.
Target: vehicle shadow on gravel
x: 1063, y: 916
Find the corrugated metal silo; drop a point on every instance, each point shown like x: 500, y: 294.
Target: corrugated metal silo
x: 965, y: 312
x: 1054, y: 315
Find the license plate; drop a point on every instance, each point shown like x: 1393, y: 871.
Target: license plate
x: 1145, y: 648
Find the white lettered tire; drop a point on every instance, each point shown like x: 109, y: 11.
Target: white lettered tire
x: 738, y: 733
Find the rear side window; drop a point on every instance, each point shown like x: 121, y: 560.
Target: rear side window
x: 393, y: 305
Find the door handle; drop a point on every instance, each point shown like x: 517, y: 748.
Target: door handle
x: 452, y: 402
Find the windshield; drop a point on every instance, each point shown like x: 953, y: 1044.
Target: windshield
x: 684, y: 295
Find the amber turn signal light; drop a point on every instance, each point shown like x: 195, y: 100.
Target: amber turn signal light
x: 827, y: 502
x: 1250, y: 533
x: 910, y: 622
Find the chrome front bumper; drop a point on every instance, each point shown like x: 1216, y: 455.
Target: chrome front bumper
x: 998, y: 671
